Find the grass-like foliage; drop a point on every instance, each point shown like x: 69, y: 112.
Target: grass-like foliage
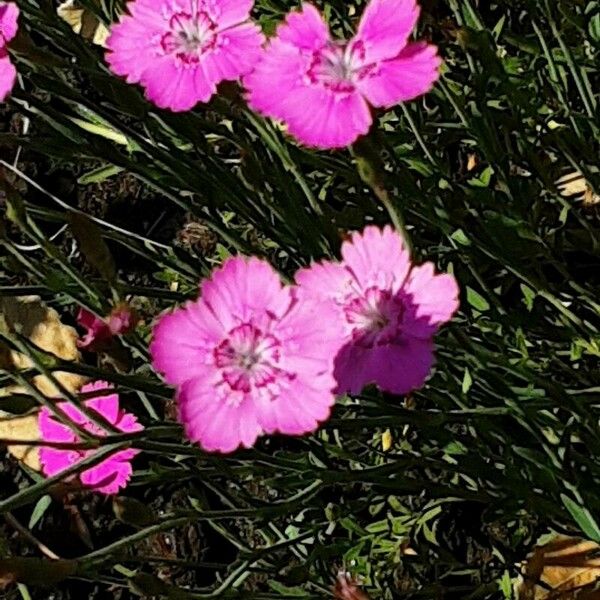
x: 439, y: 494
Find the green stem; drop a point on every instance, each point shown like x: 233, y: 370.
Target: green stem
x: 371, y: 170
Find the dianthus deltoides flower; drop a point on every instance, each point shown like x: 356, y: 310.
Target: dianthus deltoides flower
x: 113, y: 473
x: 389, y: 308
x: 99, y: 332
x: 249, y: 357
x: 179, y: 50
x: 9, y: 14
x: 322, y: 88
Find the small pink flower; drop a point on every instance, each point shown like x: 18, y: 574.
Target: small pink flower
x: 9, y: 14
x: 249, y: 357
x: 99, y: 332
x: 179, y: 50
x: 112, y: 474
x: 323, y: 87
x: 390, y: 309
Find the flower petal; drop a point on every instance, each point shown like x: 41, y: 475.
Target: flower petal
x: 229, y: 12
x: 216, y: 423
x: 55, y: 460
x: 8, y: 75
x: 384, y: 28
x: 108, y: 477
x: 304, y: 29
x: 322, y: 118
x: 299, y: 409
x: 377, y: 257
x: 282, y: 66
x: 105, y: 405
x: 243, y: 289
x: 182, y: 341
x: 170, y: 85
x: 9, y: 15
x: 237, y: 52
x: 432, y: 300
x: 53, y: 430
x: 128, y: 423
x: 324, y: 280
x: 350, y: 372
x: 131, y: 46
x: 411, y: 74
x: 399, y: 368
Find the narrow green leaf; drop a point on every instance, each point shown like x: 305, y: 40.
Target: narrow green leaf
x: 583, y: 517
x: 100, y: 174
x: 39, y: 510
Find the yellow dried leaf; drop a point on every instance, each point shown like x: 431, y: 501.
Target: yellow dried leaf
x: 472, y: 162
x: 22, y: 428
x: 565, y: 568
x: 42, y: 326
x: 575, y: 186
x: 386, y: 440
x: 83, y: 22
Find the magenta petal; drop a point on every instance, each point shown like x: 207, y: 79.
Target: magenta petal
x: 98, y: 331
x: 130, y: 47
x: 229, y: 12
x: 432, y: 300
x: 299, y: 410
x: 311, y: 329
x: 351, y: 364
x: 108, y: 477
x: 321, y: 118
x: 217, y: 424
x: 179, y: 89
x: 9, y: 15
x: 411, y: 74
x: 280, y: 65
x: 88, y: 320
x: 400, y: 368
x: 324, y: 280
x: 385, y: 27
x: 105, y: 405
x: 238, y: 52
x: 377, y: 257
x: 128, y: 423
x: 8, y: 75
x: 304, y: 29
x: 52, y: 429
x: 243, y: 287
x: 180, y: 342
x: 55, y: 461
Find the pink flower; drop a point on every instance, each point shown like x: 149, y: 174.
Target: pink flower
x: 390, y: 310
x: 324, y: 87
x: 99, y: 332
x: 250, y: 357
x: 179, y: 50
x: 112, y: 473
x: 9, y: 14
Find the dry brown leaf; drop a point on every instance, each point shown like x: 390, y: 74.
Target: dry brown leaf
x: 43, y: 327
x: 575, y: 186
x: 472, y: 162
x: 83, y: 22
x: 563, y: 569
x: 22, y: 428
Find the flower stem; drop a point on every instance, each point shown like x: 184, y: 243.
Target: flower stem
x: 371, y: 170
